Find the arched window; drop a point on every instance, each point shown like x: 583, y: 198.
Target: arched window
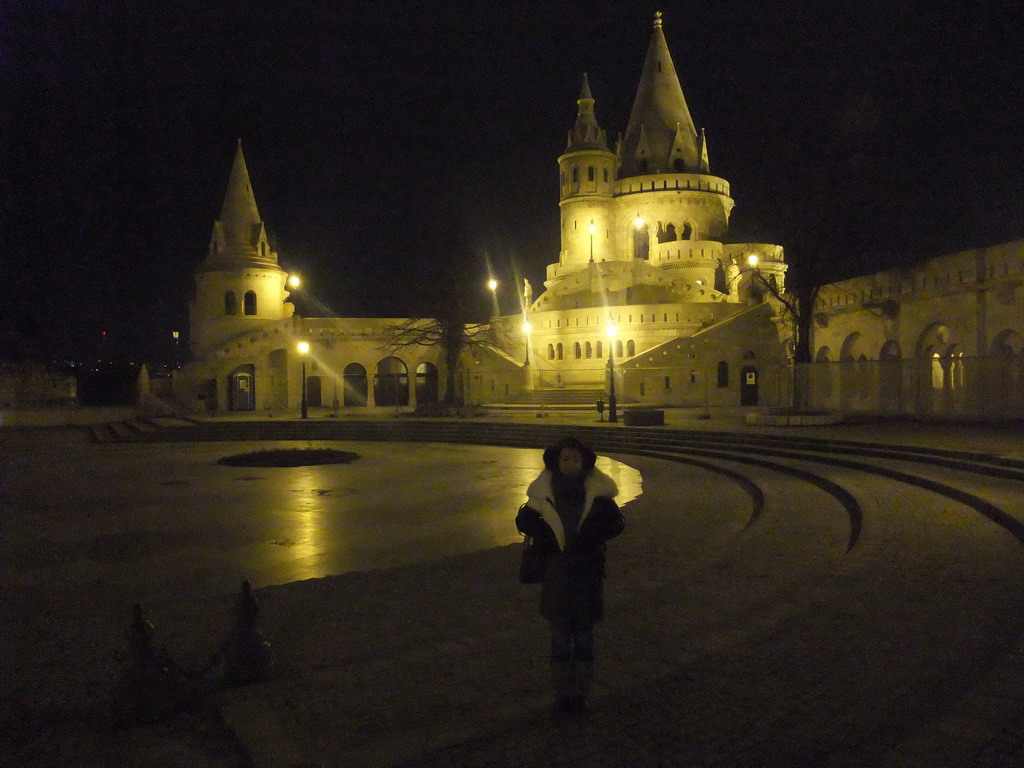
x: 577, y: 350
x: 670, y: 233
x: 590, y: 173
x: 599, y: 351
x: 643, y: 167
x: 230, y: 303
x: 589, y: 350
x: 723, y: 374
x: 558, y: 350
x: 687, y: 232
x: 551, y: 351
x: 606, y: 174
x: 249, y: 303
x: 936, y: 371
x: 678, y: 166
x: 575, y: 175
x: 618, y: 348
x: 630, y: 348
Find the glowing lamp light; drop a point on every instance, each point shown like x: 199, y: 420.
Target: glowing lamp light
x: 638, y: 223
x: 611, y: 330
x: 592, y: 229
x: 294, y: 281
x: 752, y: 259
x: 303, y: 347
x: 492, y: 284
x: 527, y: 327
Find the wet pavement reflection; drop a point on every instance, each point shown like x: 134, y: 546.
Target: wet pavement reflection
x: 166, y: 519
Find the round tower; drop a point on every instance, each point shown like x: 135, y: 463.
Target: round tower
x: 669, y: 209
x: 587, y: 171
x: 240, y: 281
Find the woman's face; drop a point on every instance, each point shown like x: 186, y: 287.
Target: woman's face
x: 570, y: 463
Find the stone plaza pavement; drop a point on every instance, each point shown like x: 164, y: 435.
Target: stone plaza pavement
x: 735, y: 635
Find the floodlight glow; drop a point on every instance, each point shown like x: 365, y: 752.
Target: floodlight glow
x: 492, y: 284
x: 638, y: 223
x: 752, y: 259
x: 527, y: 327
x: 303, y: 347
x: 294, y: 281
x: 611, y: 330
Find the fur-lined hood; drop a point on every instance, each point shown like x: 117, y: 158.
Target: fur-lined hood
x: 541, y: 497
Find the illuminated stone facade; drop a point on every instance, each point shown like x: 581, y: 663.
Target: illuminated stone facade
x: 643, y: 249
x: 643, y: 230
x: 943, y: 337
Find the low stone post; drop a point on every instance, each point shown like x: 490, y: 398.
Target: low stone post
x: 245, y: 652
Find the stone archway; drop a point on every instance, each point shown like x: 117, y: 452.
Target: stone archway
x: 890, y: 377
x: 354, y: 385
x: 391, y: 382
x: 426, y: 383
x: 242, y: 388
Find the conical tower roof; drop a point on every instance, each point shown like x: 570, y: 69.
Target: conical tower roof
x: 586, y: 133
x: 239, y: 235
x: 660, y: 129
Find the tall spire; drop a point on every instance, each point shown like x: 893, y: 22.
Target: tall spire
x: 239, y: 234
x: 586, y: 134
x: 661, y: 117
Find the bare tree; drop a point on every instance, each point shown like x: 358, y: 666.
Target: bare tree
x: 450, y: 309
x: 821, y: 204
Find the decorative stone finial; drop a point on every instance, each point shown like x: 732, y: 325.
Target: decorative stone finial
x: 657, y: 19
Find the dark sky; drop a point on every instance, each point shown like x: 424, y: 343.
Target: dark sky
x: 364, y: 124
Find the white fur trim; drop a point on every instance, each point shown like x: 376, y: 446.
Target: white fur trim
x: 541, y: 497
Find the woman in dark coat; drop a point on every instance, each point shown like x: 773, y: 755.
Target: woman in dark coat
x: 571, y: 513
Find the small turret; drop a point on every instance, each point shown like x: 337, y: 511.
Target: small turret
x: 240, y: 281
x: 586, y: 134
x: 587, y: 181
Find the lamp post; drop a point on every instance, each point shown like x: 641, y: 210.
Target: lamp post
x: 613, y: 413
x: 526, y: 330
x: 492, y: 284
x: 303, y: 348
x: 177, y: 358
x: 591, y: 229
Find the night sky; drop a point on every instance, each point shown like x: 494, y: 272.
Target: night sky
x: 365, y: 124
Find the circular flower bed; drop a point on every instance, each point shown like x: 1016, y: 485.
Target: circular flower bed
x: 289, y: 457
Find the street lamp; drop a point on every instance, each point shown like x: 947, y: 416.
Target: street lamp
x: 526, y: 329
x: 613, y: 413
x: 592, y: 229
x: 492, y: 284
x: 303, y: 347
x: 294, y: 281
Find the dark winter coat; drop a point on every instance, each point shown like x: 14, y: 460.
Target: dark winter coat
x: 573, y: 587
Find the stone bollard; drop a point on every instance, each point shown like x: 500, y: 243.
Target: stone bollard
x: 151, y: 686
x: 245, y: 652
